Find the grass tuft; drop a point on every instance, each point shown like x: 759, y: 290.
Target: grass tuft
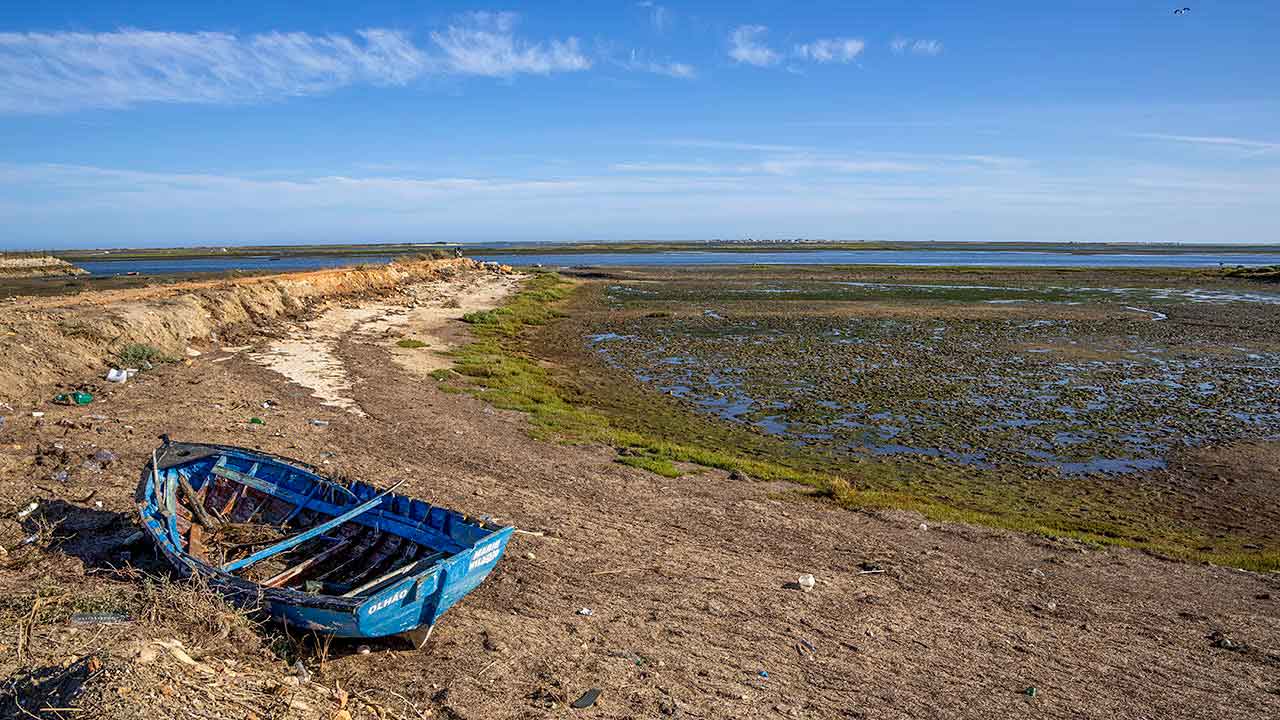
x: 137, y: 355
x: 410, y: 343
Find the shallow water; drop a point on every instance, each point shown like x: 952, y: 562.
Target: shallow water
x: 814, y: 257
x: 978, y: 392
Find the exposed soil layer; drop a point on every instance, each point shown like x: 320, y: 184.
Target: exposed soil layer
x: 45, y: 341
x: 30, y: 266
x: 690, y: 582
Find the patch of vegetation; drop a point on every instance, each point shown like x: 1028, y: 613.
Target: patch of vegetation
x: 658, y: 465
x: 139, y: 355
x: 1270, y: 274
x: 410, y: 343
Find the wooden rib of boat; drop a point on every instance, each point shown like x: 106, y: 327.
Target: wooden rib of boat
x: 315, y: 553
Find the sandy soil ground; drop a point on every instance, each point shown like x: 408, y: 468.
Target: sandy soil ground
x: 689, y: 581
x: 308, y: 355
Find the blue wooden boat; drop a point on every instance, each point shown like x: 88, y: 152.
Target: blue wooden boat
x: 341, y: 559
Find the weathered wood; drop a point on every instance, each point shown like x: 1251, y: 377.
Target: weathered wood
x: 195, y: 543
x: 302, y: 537
x: 402, y: 570
x: 284, y: 576
x: 194, y: 504
x: 437, y: 537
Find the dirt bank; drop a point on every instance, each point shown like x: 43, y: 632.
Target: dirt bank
x: 46, y: 341
x: 31, y: 266
x: 688, y: 581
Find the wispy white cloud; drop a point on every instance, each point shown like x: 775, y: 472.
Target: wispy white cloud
x: 659, y: 15
x: 636, y: 61
x: 746, y: 46
x: 1216, y: 141
x: 668, y: 167
x: 50, y: 72
x: 486, y: 45
x: 63, y: 71
x: 840, y: 50
x: 901, y: 45
x: 731, y: 145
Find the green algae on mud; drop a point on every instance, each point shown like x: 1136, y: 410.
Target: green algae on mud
x: 522, y: 360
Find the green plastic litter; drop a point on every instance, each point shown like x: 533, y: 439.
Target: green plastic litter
x: 78, y: 397
x: 257, y: 421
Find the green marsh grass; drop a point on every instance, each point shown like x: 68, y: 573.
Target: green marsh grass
x: 503, y: 365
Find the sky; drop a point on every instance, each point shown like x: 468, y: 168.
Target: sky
x: 167, y: 123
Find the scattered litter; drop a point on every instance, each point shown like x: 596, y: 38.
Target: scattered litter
x: 37, y: 414
x: 97, y: 504
x: 587, y: 700
x: 764, y: 674
x: 808, y: 645
x: 61, y: 476
x: 364, y: 650
x: 176, y: 650
x: 116, y: 375
x: 319, y: 423
x: 104, y: 456
x: 99, y: 618
x: 78, y: 397
x: 1, y: 421
x: 924, y: 526
x: 300, y: 671
x: 28, y: 509
x: 268, y: 405
x: 866, y: 566
x: 194, y: 353
x: 1220, y: 640
x: 257, y: 421
x: 530, y: 556
x: 585, y: 612
x: 806, y: 582
x: 1030, y: 692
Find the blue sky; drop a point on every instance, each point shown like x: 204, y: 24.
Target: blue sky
x: 148, y: 123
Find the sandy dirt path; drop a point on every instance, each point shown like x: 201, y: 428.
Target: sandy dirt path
x: 686, y: 579
x: 307, y: 354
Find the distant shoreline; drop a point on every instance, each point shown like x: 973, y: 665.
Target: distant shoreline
x: 483, y: 249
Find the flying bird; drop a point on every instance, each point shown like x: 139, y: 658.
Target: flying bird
x: 1182, y: 11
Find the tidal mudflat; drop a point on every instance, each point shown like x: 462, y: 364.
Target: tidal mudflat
x: 1134, y: 405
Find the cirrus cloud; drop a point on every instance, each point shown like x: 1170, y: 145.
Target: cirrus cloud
x: 840, y: 50
x: 66, y: 71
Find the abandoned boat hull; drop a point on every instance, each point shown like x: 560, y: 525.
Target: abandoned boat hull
x: 365, y: 564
